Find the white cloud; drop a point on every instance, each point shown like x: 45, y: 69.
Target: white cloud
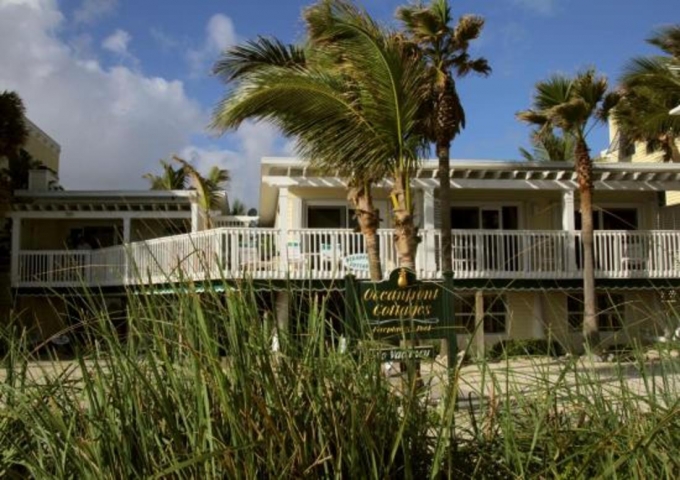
x: 165, y: 41
x: 253, y: 141
x: 543, y: 7
x: 219, y: 35
x: 113, y: 123
x: 118, y: 42
x: 92, y: 10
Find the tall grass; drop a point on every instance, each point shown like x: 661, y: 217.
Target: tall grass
x: 194, y: 390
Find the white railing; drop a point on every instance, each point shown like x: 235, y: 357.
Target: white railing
x: 234, y: 221
x: 333, y: 253
x: 511, y: 254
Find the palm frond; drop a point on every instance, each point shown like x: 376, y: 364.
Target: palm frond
x: 667, y: 39
x: 262, y: 52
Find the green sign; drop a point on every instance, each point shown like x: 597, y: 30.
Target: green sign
x: 402, y: 307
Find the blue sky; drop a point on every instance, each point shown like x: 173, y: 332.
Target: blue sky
x: 122, y: 83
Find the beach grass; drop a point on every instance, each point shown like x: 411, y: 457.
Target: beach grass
x: 194, y: 389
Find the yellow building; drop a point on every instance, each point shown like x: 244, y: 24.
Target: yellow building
x: 42, y: 147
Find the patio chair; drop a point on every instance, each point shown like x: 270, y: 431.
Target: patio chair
x: 296, y: 258
x: 634, y: 256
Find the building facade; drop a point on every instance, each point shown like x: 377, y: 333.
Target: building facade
x: 516, y: 245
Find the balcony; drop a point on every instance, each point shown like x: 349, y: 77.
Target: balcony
x: 234, y: 253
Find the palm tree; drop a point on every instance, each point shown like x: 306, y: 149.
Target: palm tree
x: 207, y: 187
x: 573, y: 105
x: 13, y: 136
x: 548, y: 146
x: 651, y: 88
x: 15, y: 173
x: 13, y: 130
x: 171, y: 178
x: 237, y: 208
x: 445, y: 48
x: 352, y: 105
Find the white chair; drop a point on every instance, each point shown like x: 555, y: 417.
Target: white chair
x: 634, y: 257
x: 331, y: 253
x: 295, y: 256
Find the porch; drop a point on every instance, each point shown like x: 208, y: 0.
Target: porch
x: 328, y: 254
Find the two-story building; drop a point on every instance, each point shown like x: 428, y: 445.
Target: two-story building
x: 516, y: 243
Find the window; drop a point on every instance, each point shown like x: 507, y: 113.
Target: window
x: 488, y: 218
x: 610, y: 311
x: 330, y: 216
x: 611, y: 219
x: 495, y: 313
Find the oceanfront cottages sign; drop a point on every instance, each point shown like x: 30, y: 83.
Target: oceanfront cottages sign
x: 403, y: 308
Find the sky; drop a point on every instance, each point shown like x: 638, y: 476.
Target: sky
x: 121, y: 84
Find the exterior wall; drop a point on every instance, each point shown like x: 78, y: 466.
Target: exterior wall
x: 640, y: 155
x: 642, y: 319
x: 299, y: 197
x: 40, y: 150
x: 522, y: 321
x: 52, y: 234
x: 646, y: 203
x: 544, y: 315
x: 148, y: 228
x: 42, y: 316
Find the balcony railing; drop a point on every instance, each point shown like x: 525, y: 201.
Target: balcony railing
x: 231, y: 253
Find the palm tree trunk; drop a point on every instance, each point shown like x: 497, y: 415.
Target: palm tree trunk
x: 672, y: 148
x: 443, y: 149
x: 369, y: 220
x: 584, y: 173
x: 405, y: 231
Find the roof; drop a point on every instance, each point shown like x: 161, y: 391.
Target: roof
x: 102, y: 200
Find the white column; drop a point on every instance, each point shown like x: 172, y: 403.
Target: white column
x: 195, y: 217
x: 568, y: 219
x: 538, y: 327
x: 126, y: 230
x: 284, y: 225
x: 478, y: 337
x: 16, y: 246
x: 569, y: 225
x: 429, y: 245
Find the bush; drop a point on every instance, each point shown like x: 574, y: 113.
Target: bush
x: 528, y: 347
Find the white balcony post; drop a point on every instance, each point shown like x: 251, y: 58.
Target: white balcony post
x: 195, y: 217
x: 569, y: 225
x: 284, y: 225
x: 15, y: 246
x: 428, y: 246
x: 126, y: 230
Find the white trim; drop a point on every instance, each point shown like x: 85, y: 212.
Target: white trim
x: 675, y: 111
x: 107, y: 194
x: 497, y: 184
x: 90, y: 215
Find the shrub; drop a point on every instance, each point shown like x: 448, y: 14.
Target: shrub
x: 527, y: 347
